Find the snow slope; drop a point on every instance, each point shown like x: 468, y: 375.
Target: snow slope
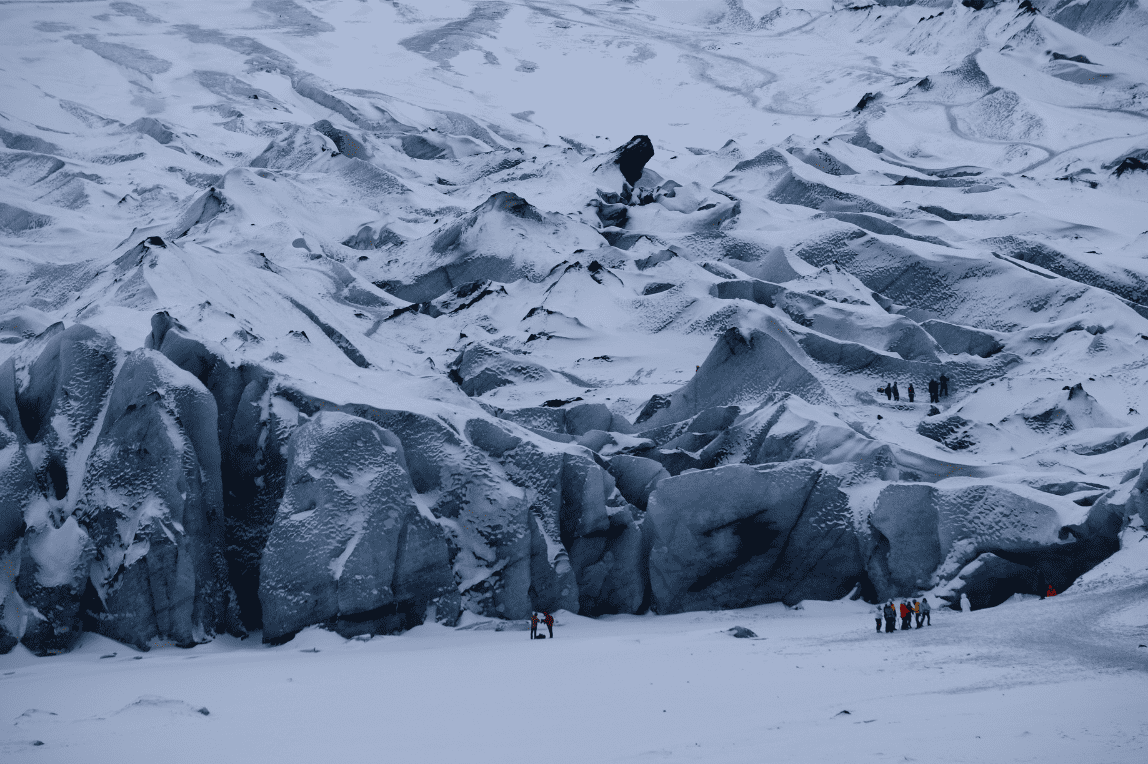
x: 420, y: 216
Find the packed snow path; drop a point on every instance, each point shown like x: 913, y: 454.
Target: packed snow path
x: 1030, y: 681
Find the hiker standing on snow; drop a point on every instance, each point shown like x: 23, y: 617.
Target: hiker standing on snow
x: 533, y: 625
x: 912, y: 392
x: 906, y: 615
x: 925, y: 610
x: 890, y: 617
x: 896, y: 392
x: 549, y: 621
x: 966, y: 606
x: 933, y: 387
x: 888, y: 391
x: 917, y: 613
x: 880, y: 614
x: 944, y: 387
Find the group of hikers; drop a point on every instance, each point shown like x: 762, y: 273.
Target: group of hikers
x: 918, y: 609
x: 938, y: 388
x: 546, y: 619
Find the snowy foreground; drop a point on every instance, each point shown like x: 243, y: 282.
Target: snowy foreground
x: 1057, y: 680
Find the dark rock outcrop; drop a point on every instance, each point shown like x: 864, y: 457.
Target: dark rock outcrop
x: 631, y: 157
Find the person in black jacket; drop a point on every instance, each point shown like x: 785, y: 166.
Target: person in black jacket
x: 888, y: 391
x: 890, y: 618
x: 933, y: 391
x: 943, y: 390
x: 912, y: 392
x: 549, y: 621
x: 533, y: 625
x: 896, y: 392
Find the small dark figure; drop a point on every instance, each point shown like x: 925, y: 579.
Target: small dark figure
x: 906, y: 614
x: 890, y: 617
x: 533, y: 625
x: 933, y: 386
x: 1051, y: 591
x: 944, y: 391
x: 925, y: 611
x: 912, y: 392
x: 888, y: 391
x: 549, y: 621
x: 896, y: 392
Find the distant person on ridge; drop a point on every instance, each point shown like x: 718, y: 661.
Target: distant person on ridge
x: 896, y: 392
x: 1051, y: 592
x: 925, y: 610
x: 912, y: 392
x: 533, y: 625
x: 944, y: 388
x: 549, y: 621
x: 890, y: 617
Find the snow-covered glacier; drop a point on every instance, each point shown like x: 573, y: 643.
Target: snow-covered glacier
x: 369, y: 314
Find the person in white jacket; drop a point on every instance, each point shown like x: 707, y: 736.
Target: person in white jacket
x: 879, y: 614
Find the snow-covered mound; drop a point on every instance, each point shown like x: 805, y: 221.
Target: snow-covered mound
x: 368, y: 314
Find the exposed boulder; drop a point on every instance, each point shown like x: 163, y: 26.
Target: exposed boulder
x: 631, y: 157
x: 152, y: 503
x: 737, y: 536
x: 349, y: 543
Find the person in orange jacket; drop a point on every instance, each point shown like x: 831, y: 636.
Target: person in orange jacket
x: 916, y: 608
x: 533, y: 625
x: 549, y: 621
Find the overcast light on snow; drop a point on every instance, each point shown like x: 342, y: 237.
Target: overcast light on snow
x: 338, y: 337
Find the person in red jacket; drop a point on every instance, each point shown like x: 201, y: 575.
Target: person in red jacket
x: 1051, y: 592
x: 533, y: 625
x: 549, y: 621
x: 906, y: 614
